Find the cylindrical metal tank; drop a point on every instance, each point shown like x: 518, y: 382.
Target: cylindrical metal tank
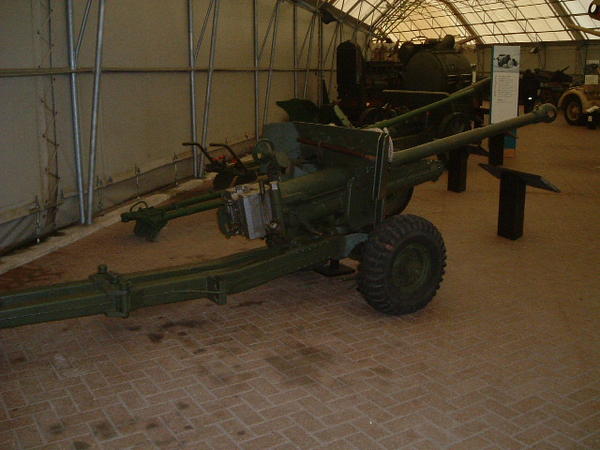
x: 437, y: 70
x: 350, y: 69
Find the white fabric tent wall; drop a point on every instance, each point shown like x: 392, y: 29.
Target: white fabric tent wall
x: 144, y: 115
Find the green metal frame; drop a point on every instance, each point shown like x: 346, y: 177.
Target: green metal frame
x: 117, y: 295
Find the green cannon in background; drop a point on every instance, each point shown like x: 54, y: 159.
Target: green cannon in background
x: 337, y: 198
x: 151, y: 220
x: 450, y: 114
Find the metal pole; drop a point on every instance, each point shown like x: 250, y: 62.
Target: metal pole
x: 84, y: 22
x: 319, y: 58
x: 256, y: 62
x: 310, y: 41
x: 262, y: 47
x: 332, y: 44
x: 270, y: 76
x: 95, y: 105
x: 211, y: 67
x: 295, y: 44
x: 192, y: 61
x: 203, y: 29
x: 75, y: 114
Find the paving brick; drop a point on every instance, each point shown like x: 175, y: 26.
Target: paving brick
x: 267, y: 441
x: 307, y: 421
x: 400, y: 439
x: 130, y: 441
x: 593, y: 441
x: 534, y: 434
x: 300, y: 437
x: 501, y: 439
x: 29, y: 437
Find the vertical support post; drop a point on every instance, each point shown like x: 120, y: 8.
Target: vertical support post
x: 270, y: 76
x: 310, y: 41
x: 511, y: 211
x: 256, y: 62
x: 496, y: 149
x: 84, y: 21
x: 95, y: 106
x: 211, y: 68
x: 75, y: 113
x: 332, y: 45
x: 457, y: 169
x: 192, y: 63
x: 295, y: 45
x: 320, y: 88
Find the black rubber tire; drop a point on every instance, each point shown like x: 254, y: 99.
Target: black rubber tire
x: 571, y: 105
x: 381, y: 279
x: 376, y: 114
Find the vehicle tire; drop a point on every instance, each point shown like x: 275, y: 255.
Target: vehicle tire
x: 450, y: 125
x: 376, y: 114
x: 402, y: 265
x: 573, y: 110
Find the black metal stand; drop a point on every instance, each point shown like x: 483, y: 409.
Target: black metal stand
x: 457, y: 166
x: 496, y: 147
x: 511, y: 210
x: 457, y: 169
x: 334, y: 269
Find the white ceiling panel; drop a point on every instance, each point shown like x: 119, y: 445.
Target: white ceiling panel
x: 490, y: 21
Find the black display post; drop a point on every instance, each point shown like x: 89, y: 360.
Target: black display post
x: 457, y: 166
x: 496, y: 147
x: 511, y: 210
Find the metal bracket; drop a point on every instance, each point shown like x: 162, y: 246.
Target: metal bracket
x: 115, y: 289
x: 216, y: 290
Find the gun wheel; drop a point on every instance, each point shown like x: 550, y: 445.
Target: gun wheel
x: 402, y: 265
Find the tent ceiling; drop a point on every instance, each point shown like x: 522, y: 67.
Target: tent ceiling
x: 488, y: 21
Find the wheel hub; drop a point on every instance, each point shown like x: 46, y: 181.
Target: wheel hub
x: 411, y: 267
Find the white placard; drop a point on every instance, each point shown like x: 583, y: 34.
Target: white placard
x: 591, y: 71
x: 505, y: 82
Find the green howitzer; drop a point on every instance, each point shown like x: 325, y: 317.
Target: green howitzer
x: 339, y: 199
x: 151, y: 220
x: 449, y: 99
x: 301, y: 110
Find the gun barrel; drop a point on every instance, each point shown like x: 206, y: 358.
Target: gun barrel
x: 545, y: 113
x: 465, y: 92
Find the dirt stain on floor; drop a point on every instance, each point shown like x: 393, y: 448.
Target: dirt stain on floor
x: 182, y: 323
x: 301, y: 364
x: 57, y: 428
x: 103, y: 430
x: 155, y: 337
x: 248, y: 303
x: 29, y: 276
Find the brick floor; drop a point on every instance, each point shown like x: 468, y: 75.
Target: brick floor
x: 506, y: 356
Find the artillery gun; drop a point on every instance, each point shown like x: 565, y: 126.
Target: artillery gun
x: 337, y: 198
x: 150, y: 220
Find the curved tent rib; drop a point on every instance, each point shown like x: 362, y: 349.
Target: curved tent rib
x: 486, y: 21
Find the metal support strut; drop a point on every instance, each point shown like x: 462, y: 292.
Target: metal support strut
x: 95, y: 106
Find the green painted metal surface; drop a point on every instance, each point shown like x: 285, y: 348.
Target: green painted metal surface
x: 319, y: 213
x: 465, y: 92
x: 545, y: 113
x: 117, y: 295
